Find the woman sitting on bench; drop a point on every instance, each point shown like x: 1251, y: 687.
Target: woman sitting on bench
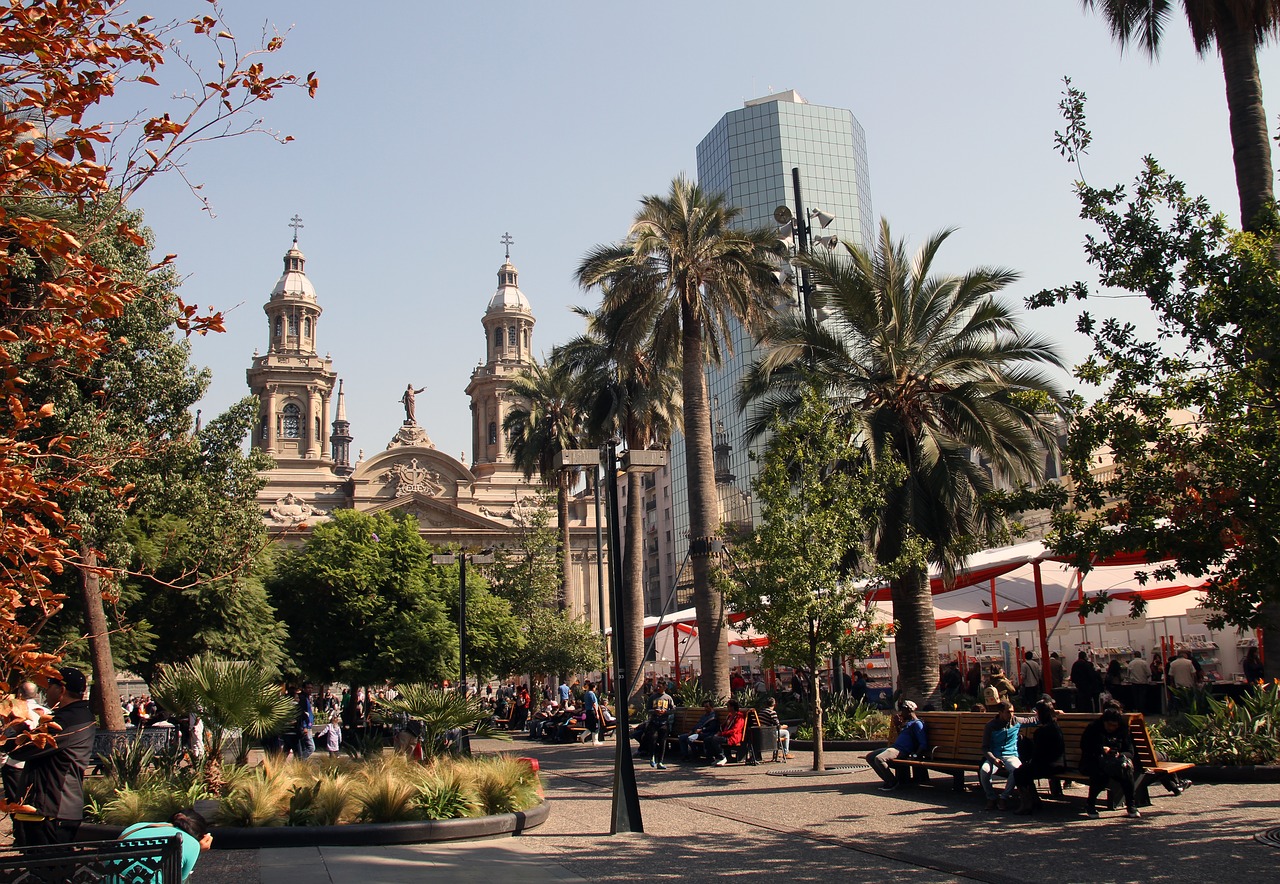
x: 1048, y: 757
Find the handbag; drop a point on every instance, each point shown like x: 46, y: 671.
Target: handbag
x: 1117, y: 766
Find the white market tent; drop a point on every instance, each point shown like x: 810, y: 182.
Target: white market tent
x: 1023, y: 587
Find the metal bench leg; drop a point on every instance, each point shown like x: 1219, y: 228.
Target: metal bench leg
x: 958, y: 781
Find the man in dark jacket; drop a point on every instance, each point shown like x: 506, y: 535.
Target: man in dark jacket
x: 55, y: 774
x: 1088, y: 683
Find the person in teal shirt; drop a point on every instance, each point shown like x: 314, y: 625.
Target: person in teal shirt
x: 188, y: 825
x: 1000, y: 752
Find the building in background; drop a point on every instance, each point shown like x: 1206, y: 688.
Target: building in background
x: 472, y: 506
x: 748, y: 157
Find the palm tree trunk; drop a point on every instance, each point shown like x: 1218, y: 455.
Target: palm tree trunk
x: 104, y: 699
x: 704, y: 506
x: 633, y: 594
x: 915, y: 638
x: 1250, y: 142
x: 562, y: 519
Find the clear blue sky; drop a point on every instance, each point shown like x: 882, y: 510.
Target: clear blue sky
x: 438, y: 127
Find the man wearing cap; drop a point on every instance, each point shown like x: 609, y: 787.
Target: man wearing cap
x: 911, y: 741
x: 54, y: 774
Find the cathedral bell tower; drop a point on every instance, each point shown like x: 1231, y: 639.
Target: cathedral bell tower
x: 293, y: 384
x: 508, y: 329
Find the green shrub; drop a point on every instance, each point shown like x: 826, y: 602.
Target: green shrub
x: 448, y: 792
x: 1223, y: 731
x: 505, y: 785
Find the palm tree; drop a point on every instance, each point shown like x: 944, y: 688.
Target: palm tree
x: 1238, y: 28
x: 230, y: 695
x: 926, y: 369
x: 548, y: 421
x: 634, y: 392
x: 439, y: 711
x: 685, y: 275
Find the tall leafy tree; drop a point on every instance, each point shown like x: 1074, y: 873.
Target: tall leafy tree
x: 364, y: 604
x: 927, y: 369
x: 548, y: 420
x: 685, y: 274
x: 1187, y: 410
x: 1237, y: 28
x: 127, y: 409
x: 60, y: 63
x: 634, y: 394
x: 526, y: 576
x: 803, y: 572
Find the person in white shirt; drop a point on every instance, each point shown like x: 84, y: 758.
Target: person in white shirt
x: 1139, y: 669
x: 1182, y: 672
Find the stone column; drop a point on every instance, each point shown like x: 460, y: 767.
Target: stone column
x: 502, y: 439
x: 313, y: 416
x: 324, y: 422
x: 270, y: 443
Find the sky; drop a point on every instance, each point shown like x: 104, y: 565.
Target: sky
x: 439, y: 127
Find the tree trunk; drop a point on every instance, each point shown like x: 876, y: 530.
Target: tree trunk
x: 916, y: 636
x: 1250, y: 142
x: 1271, y: 639
x: 704, y: 507
x: 562, y: 520
x: 633, y: 592
x: 104, y: 699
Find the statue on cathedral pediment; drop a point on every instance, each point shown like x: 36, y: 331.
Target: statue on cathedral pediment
x: 410, y: 478
x: 293, y: 510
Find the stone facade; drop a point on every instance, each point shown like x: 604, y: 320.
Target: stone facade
x: 474, y: 506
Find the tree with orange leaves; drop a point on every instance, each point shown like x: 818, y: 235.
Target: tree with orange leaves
x: 61, y: 64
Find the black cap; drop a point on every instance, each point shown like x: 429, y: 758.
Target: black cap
x: 72, y: 679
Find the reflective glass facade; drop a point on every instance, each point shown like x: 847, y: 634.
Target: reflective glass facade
x: 748, y: 157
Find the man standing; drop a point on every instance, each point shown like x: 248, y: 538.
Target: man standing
x: 1139, y: 669
x: 1032, y: 681
x: 1088, y: 683
x: 911, y: 741
x: 1182, y: 671
x: 1055, y: 669
x: 306, y: 721
x: 54, y: 775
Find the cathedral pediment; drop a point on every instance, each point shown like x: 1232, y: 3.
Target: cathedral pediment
x: 402, y: 472
x: 431, y: 512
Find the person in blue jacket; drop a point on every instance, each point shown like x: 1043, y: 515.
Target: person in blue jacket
x: 1000, y: 753
x: 911, y: 741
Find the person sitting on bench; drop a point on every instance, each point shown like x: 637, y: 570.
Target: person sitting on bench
x: 1107, y: 755
x: 1048, y: 757
x: 731, y: 735
x: 911, y: 741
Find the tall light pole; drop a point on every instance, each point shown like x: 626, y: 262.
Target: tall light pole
x: 461, y: 558
x: 626, y: 797
x: 802, y: 225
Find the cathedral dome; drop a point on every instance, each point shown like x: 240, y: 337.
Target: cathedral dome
x: 508, y: 296
x: 293, y: 284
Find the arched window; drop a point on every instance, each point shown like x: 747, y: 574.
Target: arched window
x: 293, y: 325
x: 279, y: 326
x: 493, y: 433
x: 511, y: 336
x: 291, y: 426
x: 497, y: 339
x: 262, y: 431
x: 306, y: 327
x: 526, y: 339
x: 317, y: 436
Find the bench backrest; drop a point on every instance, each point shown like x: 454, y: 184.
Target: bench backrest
x: 957, y: 736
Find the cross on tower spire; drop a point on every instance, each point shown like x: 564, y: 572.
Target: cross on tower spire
x: 296, y: 223
x: 507, y: 241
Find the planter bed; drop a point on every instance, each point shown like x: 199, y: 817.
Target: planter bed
x: 357, y: 834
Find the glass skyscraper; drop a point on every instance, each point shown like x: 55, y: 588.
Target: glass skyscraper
x: 748, y: 157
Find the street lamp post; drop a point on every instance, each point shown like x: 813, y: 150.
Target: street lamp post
x: 802, y: 224
x: 626, y: 796
x: 461, y: 559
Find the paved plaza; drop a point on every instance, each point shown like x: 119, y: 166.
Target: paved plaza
x: 750, y: 824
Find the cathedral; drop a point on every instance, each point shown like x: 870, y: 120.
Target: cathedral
x: 472, y: 506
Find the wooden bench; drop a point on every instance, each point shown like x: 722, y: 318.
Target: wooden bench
x: 955, y: 745
x: 687, y: 718
x: 581, y: 734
